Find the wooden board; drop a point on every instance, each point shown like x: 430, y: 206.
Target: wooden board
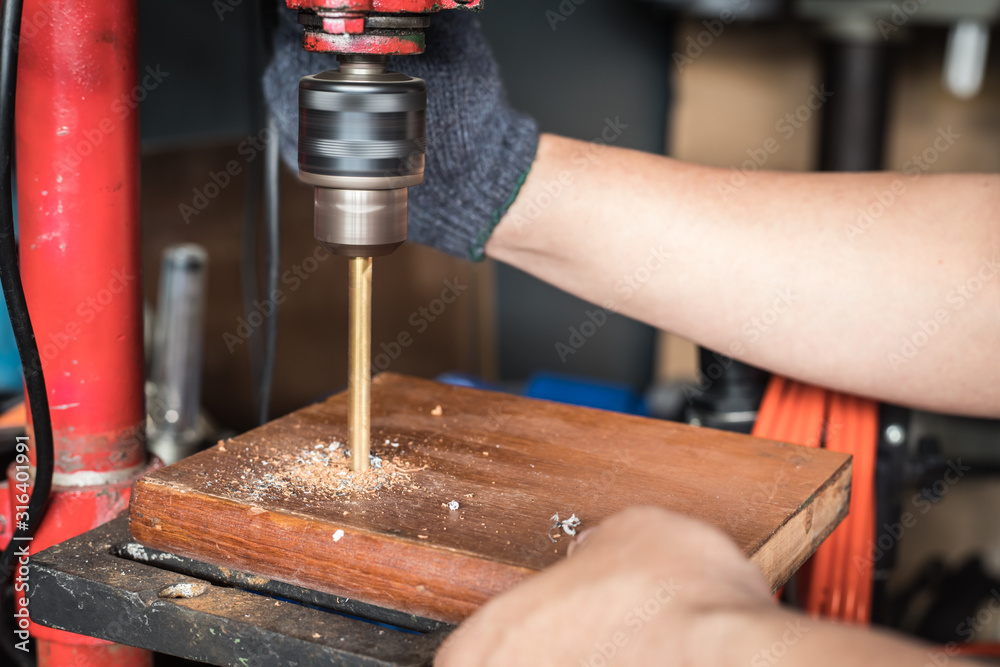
x: 269, y: 502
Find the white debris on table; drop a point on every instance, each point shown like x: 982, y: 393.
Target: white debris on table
x: 568, y: 526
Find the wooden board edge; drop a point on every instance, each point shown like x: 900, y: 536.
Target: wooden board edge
x: 442, y: 584
x: 785, y: 551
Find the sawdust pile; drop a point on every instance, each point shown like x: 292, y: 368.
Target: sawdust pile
x: 323, y: 472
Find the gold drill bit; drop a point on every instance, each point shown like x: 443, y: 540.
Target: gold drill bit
x: 359, y: 353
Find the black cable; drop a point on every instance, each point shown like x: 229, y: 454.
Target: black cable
x: 267, y: 174
x: 272, y: 151
x: 17, y: 307
x: 251, y: 205
x: 248, y: 271
x: 13, y: 292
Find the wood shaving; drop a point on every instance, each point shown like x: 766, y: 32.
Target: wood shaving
x: 568, y: 526
x: 318, y: 473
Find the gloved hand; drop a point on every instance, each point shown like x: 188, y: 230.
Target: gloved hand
x: 479, y: 150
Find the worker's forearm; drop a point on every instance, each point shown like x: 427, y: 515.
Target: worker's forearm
x: 885, y: 285
x: 761, y: 639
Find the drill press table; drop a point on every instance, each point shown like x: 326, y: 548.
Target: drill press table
x: 273, y: 503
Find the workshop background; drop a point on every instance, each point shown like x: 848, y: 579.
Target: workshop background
x: 601, y: 61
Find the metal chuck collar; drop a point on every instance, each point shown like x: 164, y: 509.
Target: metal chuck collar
x: 361, y: 143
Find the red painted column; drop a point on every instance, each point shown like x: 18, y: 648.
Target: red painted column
x: 78, y: 204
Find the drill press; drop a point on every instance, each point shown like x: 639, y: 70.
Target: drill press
x: 361, y: 144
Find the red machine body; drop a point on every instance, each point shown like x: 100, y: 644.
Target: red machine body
x: 382, y: 27
x: 383, y: 6
x: 77, y: 131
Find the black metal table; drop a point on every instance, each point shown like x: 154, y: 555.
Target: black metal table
x: 104, y: 584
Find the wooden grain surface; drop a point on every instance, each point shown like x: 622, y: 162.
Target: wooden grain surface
x: 270, y: 501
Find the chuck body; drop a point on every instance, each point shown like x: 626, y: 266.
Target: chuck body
x: 361, y: 143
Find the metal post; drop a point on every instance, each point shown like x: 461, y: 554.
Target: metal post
x: 78, y: 193
x: 852, y: 134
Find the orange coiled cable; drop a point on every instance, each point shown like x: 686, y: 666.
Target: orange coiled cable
x: 837, y: 581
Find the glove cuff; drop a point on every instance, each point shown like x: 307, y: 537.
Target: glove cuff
x: 464, y: 216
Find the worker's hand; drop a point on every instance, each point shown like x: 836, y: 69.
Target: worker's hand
x: 478, y: 149
x: 647, y: 587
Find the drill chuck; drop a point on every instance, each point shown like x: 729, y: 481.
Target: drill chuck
x: 361, y: 143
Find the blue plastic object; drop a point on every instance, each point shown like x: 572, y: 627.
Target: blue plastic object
x: 10, y: 363
x: 586, y: 392
x: 565, y: 389
x: 11, y: 381
x: 467, y: 380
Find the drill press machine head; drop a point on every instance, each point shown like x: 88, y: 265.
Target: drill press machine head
x: 362, y: 127
x: 361, y: 143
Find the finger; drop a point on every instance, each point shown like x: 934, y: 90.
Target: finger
x: 466, y: 644
x: 445, y: 656
x: 577, y: 543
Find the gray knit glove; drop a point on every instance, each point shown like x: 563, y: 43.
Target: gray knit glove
x: 479, y: 150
